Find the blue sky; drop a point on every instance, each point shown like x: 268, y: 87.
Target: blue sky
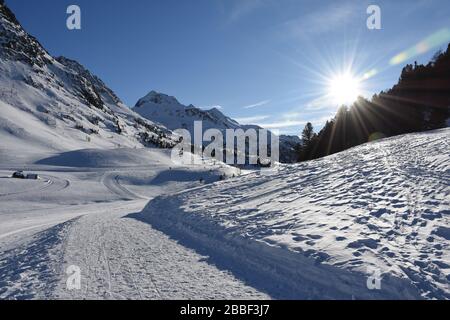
x: 262, y: 61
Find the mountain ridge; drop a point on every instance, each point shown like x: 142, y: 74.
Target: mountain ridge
x: 66, y: 96
x: 72, y: 107
x: 168, y: 111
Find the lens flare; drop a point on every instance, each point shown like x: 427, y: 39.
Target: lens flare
x: 435, y: 40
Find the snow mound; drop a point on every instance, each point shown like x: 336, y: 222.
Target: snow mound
x: 324, y: 228
x: 98, y: 158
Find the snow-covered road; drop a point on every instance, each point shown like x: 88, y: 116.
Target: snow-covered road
x: 90, y: 219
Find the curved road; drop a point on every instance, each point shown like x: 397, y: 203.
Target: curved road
x: 119, y: 256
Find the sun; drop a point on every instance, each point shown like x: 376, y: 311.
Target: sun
x: 344, y: 89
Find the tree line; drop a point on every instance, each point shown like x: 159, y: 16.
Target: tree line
x: 420, y: 101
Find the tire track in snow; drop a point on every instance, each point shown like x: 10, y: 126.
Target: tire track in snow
x: 111, y: 181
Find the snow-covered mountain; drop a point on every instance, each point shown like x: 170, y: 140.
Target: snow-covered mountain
x: 174, y: 115
x: 168, y: 111
x: 56, y: 104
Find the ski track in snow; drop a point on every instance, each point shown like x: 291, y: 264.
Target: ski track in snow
x: 123, y: 258
x: 111, y: 181
x: 86, y: 218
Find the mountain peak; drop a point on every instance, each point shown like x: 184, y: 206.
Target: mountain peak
x: 215, y: 110
x: 70, y: 62
x: 7, y: 13
x: 167, y: 111
x: 75, y: 107
x: 16, y: 44
x: 158, y: 98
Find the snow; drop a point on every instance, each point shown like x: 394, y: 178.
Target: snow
x: 96, y: 158
x: 318, y: 228
x: 140, y: 226
x: 87, y: 215
x: 128, y: 259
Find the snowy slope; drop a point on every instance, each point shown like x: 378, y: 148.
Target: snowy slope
x: 318, y: 229
x: 167, y: 111
x: 87, y: 217
x: 55, y: 104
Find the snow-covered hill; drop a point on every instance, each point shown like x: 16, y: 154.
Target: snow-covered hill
x: 321, y: 229
x: 55, y: 104
x: 167, y: 111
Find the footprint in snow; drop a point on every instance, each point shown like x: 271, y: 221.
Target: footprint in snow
x: 314, y: 236
x: 370, y: 243
x: 442, y: 232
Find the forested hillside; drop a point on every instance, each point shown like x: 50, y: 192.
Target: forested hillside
x: 419, y: 102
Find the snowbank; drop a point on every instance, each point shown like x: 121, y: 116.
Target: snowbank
x: 321, y: 229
